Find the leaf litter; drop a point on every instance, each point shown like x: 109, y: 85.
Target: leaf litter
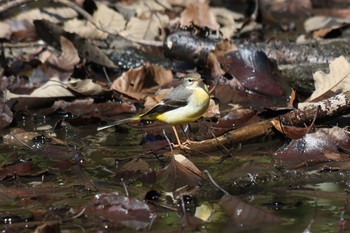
x: 54, y: 92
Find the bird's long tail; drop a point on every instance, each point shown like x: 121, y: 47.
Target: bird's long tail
x: 119, y: 122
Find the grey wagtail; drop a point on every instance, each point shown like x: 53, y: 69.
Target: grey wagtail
x: 186, y: 103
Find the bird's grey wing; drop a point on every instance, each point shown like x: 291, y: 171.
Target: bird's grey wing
x: 176, y: 99
x: 180, y: 93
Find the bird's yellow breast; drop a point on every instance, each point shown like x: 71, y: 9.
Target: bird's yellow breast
x: 196, y: 106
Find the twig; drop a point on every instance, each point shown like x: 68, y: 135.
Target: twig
x: 125, y: 188
x: 23, y: 44
x: 107, y: 76
x: 215, y: 184
x: 23, y: 143
x: 11, y: 4
x: 308, y: 228
x: 166, y: 137
x: 254, y: 15
x: 105, y: 29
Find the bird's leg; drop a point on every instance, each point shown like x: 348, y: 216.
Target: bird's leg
x: 178, y: 139
x: 188, y: 140
x: 176, y: 135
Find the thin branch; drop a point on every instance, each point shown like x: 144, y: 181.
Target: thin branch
x: 20, y: 141
x: 215, y: 184
x: 22, y: 44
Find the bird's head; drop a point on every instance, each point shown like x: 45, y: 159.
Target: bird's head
x: 192, y: 80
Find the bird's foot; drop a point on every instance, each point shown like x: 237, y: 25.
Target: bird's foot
x: 189, y: 142
x: 182, y: 146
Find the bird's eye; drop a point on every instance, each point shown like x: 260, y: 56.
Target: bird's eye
x: 190, y: 80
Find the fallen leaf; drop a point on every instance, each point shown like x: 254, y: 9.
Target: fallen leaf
x: 335, y: 82
x: 234, y: 119
x: 204, y: 212
x: 320, y: 26
x: 200, y: 14
x: 45, y: 99
x: 62, y: 66
x: 52, y: 88
x: 139, y: 82
x: 85, y: 87
x: 50, y: 13
x: 246, y: 215
x: 30, y: 192
x: 180, y: 172
x: 79, y: 176
x: 87, y: 108
x: 243, y: 214
x: 5, y: 31
x: 136, y: 169
x: 322, y: 146
x: 105, y: 17
x: 145, y: 8
x: 23, y: 22
x: 50, y: 32
x: 291, y: 132
x: 120, y: 210
x: 20, y: 169
x: 147, y: 29
x: 228, y: 20
x: 255, y: 71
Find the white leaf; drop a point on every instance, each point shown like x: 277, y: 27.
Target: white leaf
x: 337, y: 80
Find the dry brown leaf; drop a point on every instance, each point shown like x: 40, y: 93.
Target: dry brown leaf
x: 187, y: 163
x: 24, y: 20
x: 336, y: 81
x: 146, y: 8
x: 200, y: 14
x: 52, y: 88
x: 56, y: 88
x: 245, y: 214
x: 291, y: 132
x: 52, y: 14
x: 5, y: 31
x: 139, y: 82
x: 148, y: 29
x: 85, y: 86
x: 185, y: 3
x: 63, y: 65
x: 228, y: 21
x: 104, y: 16
x: 180, y: 172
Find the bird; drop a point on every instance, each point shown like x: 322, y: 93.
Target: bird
x: 186, y: 103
